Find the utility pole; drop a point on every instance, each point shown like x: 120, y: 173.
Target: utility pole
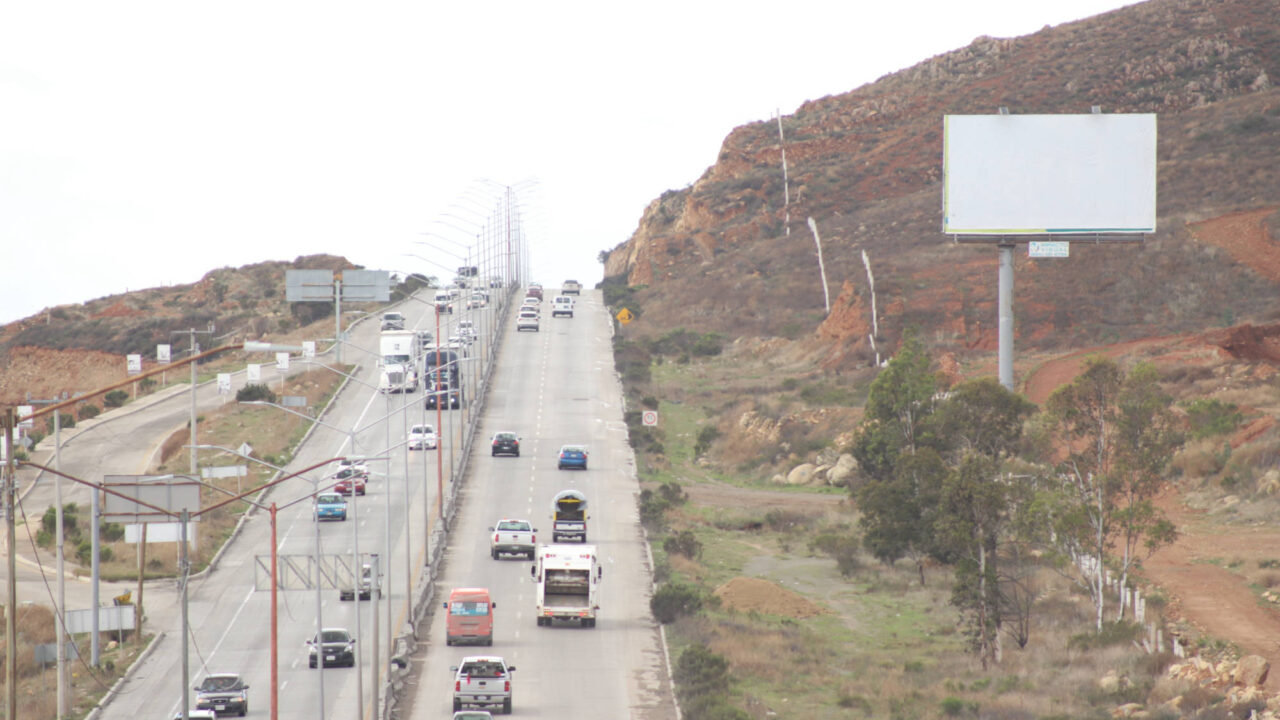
x: 59, y: 616
x: 11, y: 606
x: 195, y: 349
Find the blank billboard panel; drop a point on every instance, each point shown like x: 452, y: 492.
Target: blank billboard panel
x: 308, y: 285
x: 168, y: 493
x: 1049, y: 174
x: 366, y: 285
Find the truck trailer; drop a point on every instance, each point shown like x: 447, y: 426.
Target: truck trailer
x: 398, y: 372
x: 568, y: 578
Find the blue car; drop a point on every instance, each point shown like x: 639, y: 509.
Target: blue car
x: 331, y: 506
x: 573, y: 456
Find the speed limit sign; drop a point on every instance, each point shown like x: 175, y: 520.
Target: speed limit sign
x: 649, y: 417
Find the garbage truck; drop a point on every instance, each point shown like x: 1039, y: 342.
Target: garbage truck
x: 568, y: 577
x: 569, y: 516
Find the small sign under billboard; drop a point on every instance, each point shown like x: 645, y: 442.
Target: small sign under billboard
x: 1048, y: 249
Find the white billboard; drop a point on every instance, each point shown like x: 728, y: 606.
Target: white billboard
x: 1049, y: 174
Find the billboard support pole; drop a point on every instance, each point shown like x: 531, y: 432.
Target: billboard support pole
x: 1005, y: 300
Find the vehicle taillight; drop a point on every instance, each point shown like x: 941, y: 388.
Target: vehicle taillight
x: 495, y: 537
x: 506, y: 686
x: 535, y: 539
x: 457, y: 686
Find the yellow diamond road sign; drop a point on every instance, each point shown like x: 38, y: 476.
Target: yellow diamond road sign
x: 624, y: 316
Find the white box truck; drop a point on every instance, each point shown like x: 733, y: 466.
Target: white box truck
x: 398, y: 372
x: 568, y: 577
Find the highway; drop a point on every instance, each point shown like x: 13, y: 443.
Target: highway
x: 555, y: 387
x: 552, y: 387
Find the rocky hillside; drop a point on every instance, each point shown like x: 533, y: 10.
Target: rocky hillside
x: 75, y: 348
x: 866, y: 166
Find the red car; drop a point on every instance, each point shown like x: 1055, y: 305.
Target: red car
x: 349, y: 480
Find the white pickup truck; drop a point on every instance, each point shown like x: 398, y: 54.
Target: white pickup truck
x: 512, y: 537
x: 482, y: 681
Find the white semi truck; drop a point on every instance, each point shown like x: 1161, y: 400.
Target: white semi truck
x: 398, y: 372
x: 568, y: 578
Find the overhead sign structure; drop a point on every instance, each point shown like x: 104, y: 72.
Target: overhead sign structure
x: 1049, y: 174
x: 170, y: 493
x: 357, y: 285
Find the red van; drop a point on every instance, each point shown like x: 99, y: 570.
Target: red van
x: 470, y: 617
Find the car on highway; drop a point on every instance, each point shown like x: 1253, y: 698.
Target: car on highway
x: 572, y: 456
x: 482, y: 681
x: 531, y: 302
x: 562, y: 305
x: 477, y: 300
x: 338, y: 646
x: 570, y: 287
x: 206, y: 715
x: 527, y: 320
x: 512, y: 536
x: 423, y: 437
x: 472, y: 715
x: 393, y: 321
x: 331, y: 506
x: 349, y: 483
x: 354, y: 464
x: 505, y: 443
x: 223, y: 693
x: 444, y: 302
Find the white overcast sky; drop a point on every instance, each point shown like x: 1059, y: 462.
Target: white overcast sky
x: 145, y: 143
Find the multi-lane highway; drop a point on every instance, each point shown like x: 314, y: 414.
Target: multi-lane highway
x: 553, y: 387
x: 556, y: 387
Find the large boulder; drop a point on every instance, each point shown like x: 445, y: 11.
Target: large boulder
x: 801, y: 474
x: 1251, y: 671
x: 845, y: 466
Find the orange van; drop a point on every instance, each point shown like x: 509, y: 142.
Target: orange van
x: 470, y: 617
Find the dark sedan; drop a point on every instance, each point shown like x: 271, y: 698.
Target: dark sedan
x: 506, y: 443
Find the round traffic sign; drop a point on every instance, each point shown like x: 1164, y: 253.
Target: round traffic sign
x: 649, y: 417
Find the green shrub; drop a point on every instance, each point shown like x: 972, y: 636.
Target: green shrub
x: 1112, y: 633
x: 706, y: 436
x: 700, y: 672
x: 89, y: 411
x: 1207, y: 417
x: 70, y: 523
x: 115, y: 398
x: 111, y: 532
x: 842, y: 548
x: 683, y: 543
x: 255, y: 392
x: 673, y: 601
x: 65, y: 420
x: 146, y: 384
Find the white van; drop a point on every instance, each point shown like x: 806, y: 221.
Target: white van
x: 562, y: 305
